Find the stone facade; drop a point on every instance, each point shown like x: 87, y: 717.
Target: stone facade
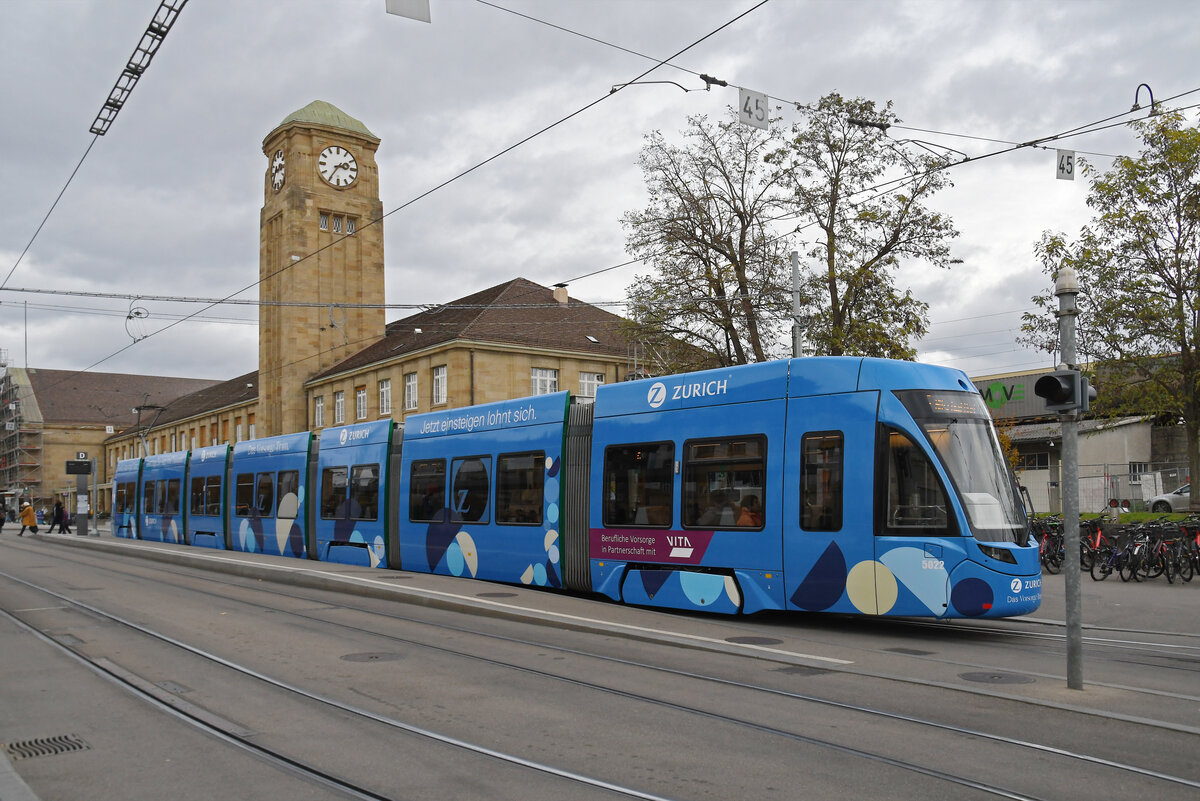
x: 321, y: 246
x: 311, y: 346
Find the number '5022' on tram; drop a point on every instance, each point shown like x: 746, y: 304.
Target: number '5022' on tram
x: 848, y: 485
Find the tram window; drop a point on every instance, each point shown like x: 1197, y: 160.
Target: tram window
x: 289, y: 494
x: 426, y: 490
x: 212, y: 496
x: 520, y: 481
x: 469, y: 495
x: 264, y: 495
x: 244, y: 494
x: 196, y: 496
x: 124, y: 500
x: 639, y: 484
x: 148, y: 498
x: 821, y: 481
x: 364, y: 492
x: 333, y: 492
x: 723, y: 482
x: 916, y: 503
x: 172, y: 501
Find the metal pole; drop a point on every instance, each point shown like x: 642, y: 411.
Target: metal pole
x: 1066, y: 288
x: 796, y: 350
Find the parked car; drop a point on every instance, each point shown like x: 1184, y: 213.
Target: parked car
x: 1176, y: 501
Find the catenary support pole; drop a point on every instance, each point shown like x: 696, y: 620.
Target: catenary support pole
x: 1066, y: 288
x: 796, y: 334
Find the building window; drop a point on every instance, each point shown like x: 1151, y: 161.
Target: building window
x: 385, y: 396
x: 1136, y: 469
x: 588, y: 383
x: 324, y: 221
x: 439, y: 384
x: 360, y: 403
x: 543, y: 381
x: 337, y: 225
x: 349, y: 225
x: 1033, y: 461
x: 319, y: 411
x: 339, y: 408
x: 410, y: 391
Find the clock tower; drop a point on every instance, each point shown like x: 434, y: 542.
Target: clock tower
x: 320, y: 257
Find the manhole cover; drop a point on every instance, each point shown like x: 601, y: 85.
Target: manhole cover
x: 753, y: 640
x: 371, y: 657
x: 45, y: 746
x: 909, y: 651
x: 995, y: 677
x: 495, y: 595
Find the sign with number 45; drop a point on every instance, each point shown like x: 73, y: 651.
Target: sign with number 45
x: 753, y: 107
x: 1066, y: 165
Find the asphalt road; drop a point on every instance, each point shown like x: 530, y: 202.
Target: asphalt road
x: 150, y: 670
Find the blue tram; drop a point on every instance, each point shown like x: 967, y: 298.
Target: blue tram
x: 833, y: 484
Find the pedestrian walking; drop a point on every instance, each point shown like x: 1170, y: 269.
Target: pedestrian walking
x: 28, y: 520
x: 3, y: 513
x: 59, y: 518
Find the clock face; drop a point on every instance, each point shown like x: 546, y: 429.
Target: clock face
x: 277, y: 171
x: 337, y: 166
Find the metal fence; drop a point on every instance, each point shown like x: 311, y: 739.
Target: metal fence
x: 1100, y: 484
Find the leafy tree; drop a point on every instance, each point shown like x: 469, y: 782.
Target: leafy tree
x: 831, y: 165
x: 1138, y: 263
x: 719, y: 285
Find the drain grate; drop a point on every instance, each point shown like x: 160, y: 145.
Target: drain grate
x: 45, y: 746
x: 495, y: 595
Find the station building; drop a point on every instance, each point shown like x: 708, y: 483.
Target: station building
x: 327, y: 357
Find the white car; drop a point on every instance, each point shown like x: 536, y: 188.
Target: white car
x: 1176, y: 501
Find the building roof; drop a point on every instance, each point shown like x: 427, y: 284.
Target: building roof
x: 1029, y: 432
x: 517, y: 312
x: 319, y: 112
x: 243, y: 389
x: 71, y: 397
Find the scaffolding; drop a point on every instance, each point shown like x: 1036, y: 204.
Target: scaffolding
x: 21, y: 442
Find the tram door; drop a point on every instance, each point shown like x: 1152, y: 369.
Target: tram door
x: 913, y: 554
x: 829, y: 548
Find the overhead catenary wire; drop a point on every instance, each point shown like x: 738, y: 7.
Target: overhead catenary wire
x: 633, y: 261
x: 447, y: 182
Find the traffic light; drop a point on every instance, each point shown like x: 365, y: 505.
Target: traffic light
x: 1065, y: 391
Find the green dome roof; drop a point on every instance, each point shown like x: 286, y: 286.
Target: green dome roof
x: 319, y: 112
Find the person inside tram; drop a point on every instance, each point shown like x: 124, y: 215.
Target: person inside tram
x: 751, y: 516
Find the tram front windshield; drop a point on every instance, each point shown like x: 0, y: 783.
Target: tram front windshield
x: 960, y: 428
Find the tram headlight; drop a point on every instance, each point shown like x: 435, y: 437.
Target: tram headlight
x: 999, y: 554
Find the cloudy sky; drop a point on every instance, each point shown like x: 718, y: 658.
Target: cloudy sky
x: 167, y: 203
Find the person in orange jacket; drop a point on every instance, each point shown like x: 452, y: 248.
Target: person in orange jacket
x: 28, y: 520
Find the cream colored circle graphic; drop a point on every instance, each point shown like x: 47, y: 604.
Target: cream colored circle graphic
x: 871, y: 588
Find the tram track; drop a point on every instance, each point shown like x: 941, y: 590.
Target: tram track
x: 230, y: 733
x: 1005, y: 629
x: 994, y: 790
